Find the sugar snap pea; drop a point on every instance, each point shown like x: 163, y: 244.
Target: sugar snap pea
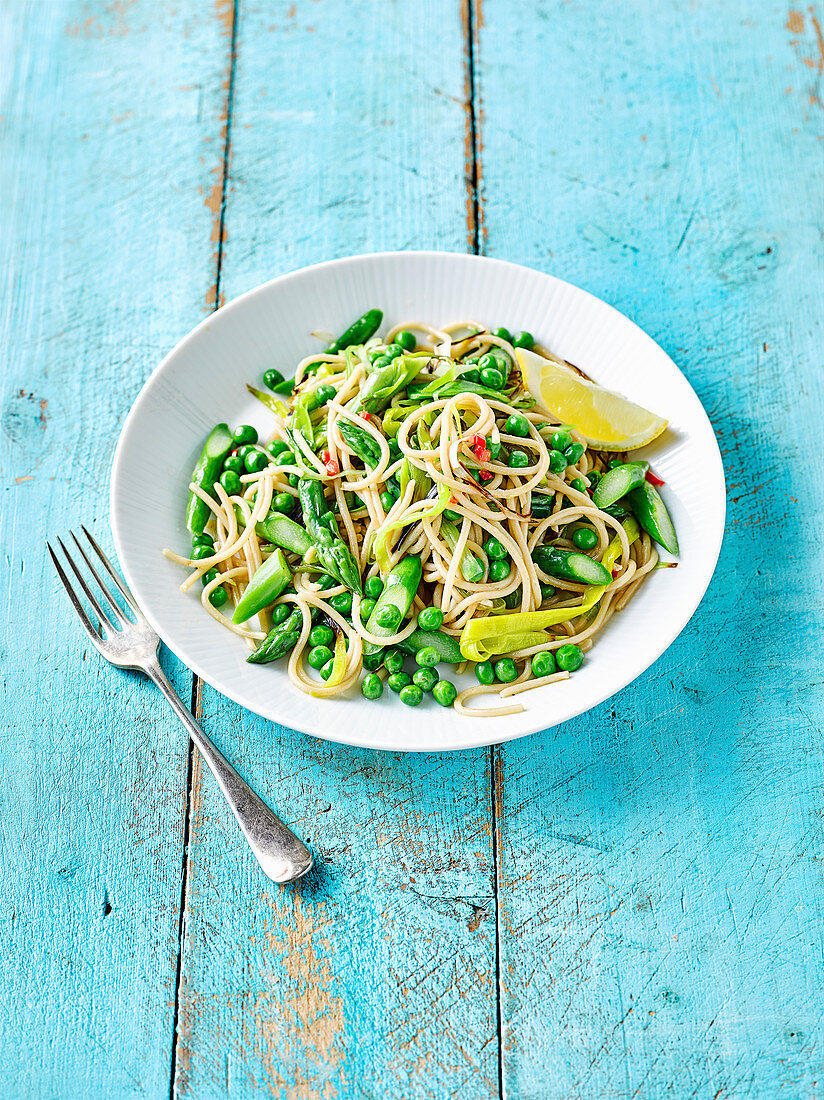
x: 358, y: 332
x: 651, y: 512
x: 282, y: 531
x: 617, y: 482
x: 449, y: 651
x: 205, y: 474
x: 399, y: 590
x: 569, y: 565
x: 267, y: 583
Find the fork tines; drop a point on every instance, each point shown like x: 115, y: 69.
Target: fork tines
x: 107, y: 612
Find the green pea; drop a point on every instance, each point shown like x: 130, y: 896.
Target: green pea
x: 372, y: 686
x: 326, y: 671
x: 427, y: 656
x: 485, y: 672
x: 543, y: 664
x: 524, y: 340
x: 453, y: 517
x: 244, y: 433
x: 494, y: 548
x: 200, y: 552
x: 285, y: 458
x: 207, y: 578
x: 321, y: 635
x: 393, y: 661
x: 492, y: 378
x: 613, y: 462
x: 426, y: 678
x: 561, y: 440
x: 506, y: 670
x: 277, y: 447
x: 373, y: 661
x: 574, y: 452
x: 293, y: 480
x: 203, y: 540
x: 393, y: 351
x: 281, y: 613
x: 444, y: 692
x: 234, y: 463
x: 557, y: 462
x: 218, y: 596
x: 579, y: 484
x: 503, y: 334
x: 324, y: 394
x: 381, y: 361
x: 398, y: 680
x: 584, y: 539
x: 472, y: 375
x: 283, y: 503
x: 547, y: 591
x: 517, y: 425
x: 389, y: 617
x: 319, y: 655
x: 593, y: 477
x: 430, y: 618
x: 411, y: 695
x: 407, y: 340
x: 373, y: 586
x: 569, y: 657
x: 387, y: 501
x: 367, y: 606
x: 518, y: 460
x: 256, y: 461
x: 375, y: 354
x: 246, y: 449
x: 272, y: 378
x: 342, y: 603
x: 499, y: 571
x: 231, y: 482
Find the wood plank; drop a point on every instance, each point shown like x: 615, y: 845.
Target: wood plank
x: 660, y: 901
x: 375, y: 977
x: 111, y: 119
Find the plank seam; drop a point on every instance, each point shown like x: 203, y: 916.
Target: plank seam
x: 471, y: 15
x: 196, y: 698
x: 496, y: 801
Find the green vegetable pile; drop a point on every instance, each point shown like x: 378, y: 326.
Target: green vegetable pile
x: 378, y: 526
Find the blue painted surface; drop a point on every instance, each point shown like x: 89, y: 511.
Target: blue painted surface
x: 627, y: 906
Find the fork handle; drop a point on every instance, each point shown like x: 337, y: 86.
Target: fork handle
x: 282, y: 856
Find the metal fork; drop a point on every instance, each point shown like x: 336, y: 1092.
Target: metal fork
x: 135, y: 645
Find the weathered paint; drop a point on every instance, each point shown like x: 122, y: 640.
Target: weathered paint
x: 636, y: 911
x: 660, y: 899
x: 110, y: 116
x: 378, y: 973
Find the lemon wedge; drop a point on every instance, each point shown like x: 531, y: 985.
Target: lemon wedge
x: 608, y: 421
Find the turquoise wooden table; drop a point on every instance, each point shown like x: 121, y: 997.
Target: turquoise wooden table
x: 628, y: 906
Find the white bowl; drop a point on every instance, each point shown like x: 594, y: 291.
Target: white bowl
x: 202, y: 381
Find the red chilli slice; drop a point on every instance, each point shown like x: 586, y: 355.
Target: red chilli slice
x: 332, y: 467
x: 654, y: 479
x: 364, y: 415
x: 486, y: 475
